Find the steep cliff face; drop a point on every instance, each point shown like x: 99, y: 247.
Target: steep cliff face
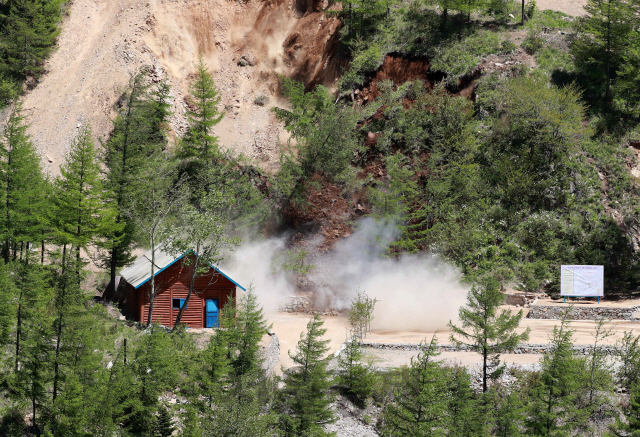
x: 246, y: 44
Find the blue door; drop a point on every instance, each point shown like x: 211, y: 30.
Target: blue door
x: 211, y: 313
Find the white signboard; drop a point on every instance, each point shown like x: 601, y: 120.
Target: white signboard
x: 582, y: 281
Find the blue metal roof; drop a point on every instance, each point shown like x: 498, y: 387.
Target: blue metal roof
x: 139, y: 272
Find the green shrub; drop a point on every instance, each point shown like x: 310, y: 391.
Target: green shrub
x: 551, y: 58
x: 507, y: 47
x: 533, y: 42
x: 530, y: 9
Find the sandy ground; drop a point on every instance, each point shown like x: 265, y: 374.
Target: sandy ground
x: 570, y: 7
x: 540, y: 332
x: 289, y: 327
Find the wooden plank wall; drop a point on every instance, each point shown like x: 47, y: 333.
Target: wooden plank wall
x: 173, y: 283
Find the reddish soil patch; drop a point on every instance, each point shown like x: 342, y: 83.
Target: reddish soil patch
x: 326, y: 213
x: 399, y: 69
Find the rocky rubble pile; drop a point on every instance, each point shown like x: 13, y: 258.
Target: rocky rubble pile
x: 583, y: 313
x: 524, y: 348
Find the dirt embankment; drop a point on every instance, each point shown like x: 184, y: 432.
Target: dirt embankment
x: 104, y: 42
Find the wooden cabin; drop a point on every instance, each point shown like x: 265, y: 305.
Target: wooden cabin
x: 172, y: 275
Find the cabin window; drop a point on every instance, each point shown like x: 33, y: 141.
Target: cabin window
x: 178, y: 303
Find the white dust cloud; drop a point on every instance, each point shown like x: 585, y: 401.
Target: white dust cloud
x: 414, y: 292
x: 252, y: 265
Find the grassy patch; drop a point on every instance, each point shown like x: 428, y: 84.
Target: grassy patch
x: 551, y: 58
x: 550, y: 19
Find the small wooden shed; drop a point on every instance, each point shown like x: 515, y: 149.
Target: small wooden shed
x: 211, y: 291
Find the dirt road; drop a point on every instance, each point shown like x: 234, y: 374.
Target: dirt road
x: 289, y: 327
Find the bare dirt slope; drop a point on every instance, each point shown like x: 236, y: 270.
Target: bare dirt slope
x: 104, y: 42
x: 570, y: 7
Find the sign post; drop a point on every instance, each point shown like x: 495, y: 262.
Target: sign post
x: 581, y: 281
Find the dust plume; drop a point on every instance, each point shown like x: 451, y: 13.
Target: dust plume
x: 252, y: 265
x: 414, y: 292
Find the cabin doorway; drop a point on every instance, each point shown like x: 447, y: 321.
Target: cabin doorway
x: 211, y: 313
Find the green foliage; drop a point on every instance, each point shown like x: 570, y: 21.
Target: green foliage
x: 533, y: 42
x: 305, y: 397
x: 294, y: 261
x: 630, y: 427
x: 251, y: 326
x: 552, y: 408
x: 324, y: 135
x: 164, y: 427
x: 459, y: 58
x: 84, y: 212
x: 155, y: 370
x: 29, y: 30
x: 603, y: 39
x: 420, y: 407
x: 202, y: 233
x: 203, y: 115
x: 488, y: 332
x: 138, y: 134
x: 360, y: 314
x: 23, y: 201
x: 628, y: 353
x: 356, y: 378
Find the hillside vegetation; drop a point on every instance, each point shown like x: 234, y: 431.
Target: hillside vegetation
x: 505, y: 148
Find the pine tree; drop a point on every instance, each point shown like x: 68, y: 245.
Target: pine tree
x: 199, y: 142
x: 138, y: 134
x: 8, y: 310
x: 164, y: 427
x: 83, y: 211
x: 356, y: 378
x: 306, y: 392
x: 251, y: 326
x: 466, y: 412
x: 83, y: 215
x: 156, y: 370
x: 215, y: 367
x: 607, y: 28
x: 488, y: 332
x: 552, y: 408
x: 508, y: 412
x: 243, y: 411
x: 628, y: 353
x: 421, y: 404
x: 23, y: 188
x: 32, y: 372
x: 77, y: 407
x: 30, y: 28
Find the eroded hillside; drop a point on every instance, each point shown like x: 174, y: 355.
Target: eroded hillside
x: 104, y: 42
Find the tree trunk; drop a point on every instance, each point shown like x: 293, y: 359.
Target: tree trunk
x: 484, y: 370
x: 192, y: 283
x: 42, y: 253
x: 153, y: 284
x: 56, y: 364
x: 113, y: 262
x: 19, y: 328
x: 522, y: 18
x: 113, y: 266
